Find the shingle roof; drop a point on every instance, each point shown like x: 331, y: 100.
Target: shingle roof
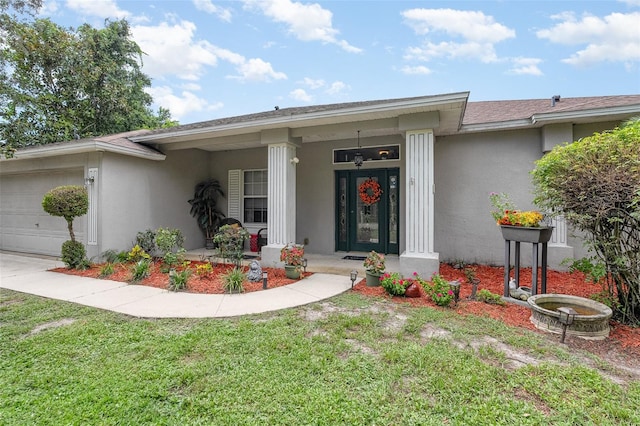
x: 500, y: 111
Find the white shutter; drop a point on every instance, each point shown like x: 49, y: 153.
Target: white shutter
x: 234, y: 195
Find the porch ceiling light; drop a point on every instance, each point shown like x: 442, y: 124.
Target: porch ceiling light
x: 358, y: 159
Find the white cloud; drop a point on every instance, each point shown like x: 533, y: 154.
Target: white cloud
x: 300, y: 95
x: 172, y: 50
x: 307, y: 22
x: 614, y: 38
x: 209, y: 7
x: 100, y: 8
x: 337, y: 87
x: 182, y: 104
x: 527, y: 66
x: 314, y: 84
x: 477, y: 31
x: 49, y: 7
x: 417, y: 70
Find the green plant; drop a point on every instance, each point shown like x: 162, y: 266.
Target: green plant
x: 374, y: 263
x: 136, y: 254
x: 204, y: 269
x: 169, y: 242
x: 439, y: 290
x: 505, y: 213
x: 69, y: 202
x: 594, y: 183
x: 178, y: 279
x: 147, y: 240
x: 74, y: 255
x: 106, y: 270
x: 113, y: 256
x: 204, y: 206
x: 486, y: 296
x: 292, y: 254
x: 233, y: 280
x: 394, y: 284
x: 140, y: 270
x: 230, y: 240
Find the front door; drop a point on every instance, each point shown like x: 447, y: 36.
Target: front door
x: 367, y: 207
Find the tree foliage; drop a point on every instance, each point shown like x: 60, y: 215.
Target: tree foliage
x: 595, y: 184
x: 60, y: 84
x: 69, y: 202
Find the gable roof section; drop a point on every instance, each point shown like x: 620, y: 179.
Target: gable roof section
x: 116, y: 143
x: 496, y: 115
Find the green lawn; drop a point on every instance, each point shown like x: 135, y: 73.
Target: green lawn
x: 347, y: 361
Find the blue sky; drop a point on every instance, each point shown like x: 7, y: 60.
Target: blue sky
x: 210, y: 59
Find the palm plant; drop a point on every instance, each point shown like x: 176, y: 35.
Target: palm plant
x: 204, y: 207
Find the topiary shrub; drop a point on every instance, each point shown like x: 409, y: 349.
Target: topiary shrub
x: 74, y: 255
x: 69, y: 202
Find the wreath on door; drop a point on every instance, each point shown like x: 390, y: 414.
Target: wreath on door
x: 370, y: 191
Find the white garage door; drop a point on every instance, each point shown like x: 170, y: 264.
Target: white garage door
x: 24, y: 225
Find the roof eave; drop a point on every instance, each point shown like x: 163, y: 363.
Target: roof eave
x: 551, y: 117
x: 82, y: 148
x: 288, y: 120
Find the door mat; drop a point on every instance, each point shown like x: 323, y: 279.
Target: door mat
x: 355, y: 257
x: 249, y: 256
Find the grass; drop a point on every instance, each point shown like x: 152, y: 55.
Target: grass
x: 351, y: 360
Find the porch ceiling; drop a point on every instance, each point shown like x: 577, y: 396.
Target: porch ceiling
x: 314, y: 126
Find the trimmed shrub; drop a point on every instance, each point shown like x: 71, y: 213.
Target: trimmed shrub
x: 74, y: 255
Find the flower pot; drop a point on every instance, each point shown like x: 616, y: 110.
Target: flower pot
x: 292, y: 272
x: 525, y: 234
x: 373, y: 279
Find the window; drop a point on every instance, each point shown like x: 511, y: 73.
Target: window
x: 255, y: 196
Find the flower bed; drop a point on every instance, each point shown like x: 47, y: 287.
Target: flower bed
x: 209, y: 284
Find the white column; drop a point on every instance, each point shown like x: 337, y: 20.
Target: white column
x: 92, y: 213
x: 281, y: 214
x: 419, y: 255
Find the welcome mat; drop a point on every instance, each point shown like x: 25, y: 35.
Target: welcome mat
x: 249, y: 256
x: 355, y: 257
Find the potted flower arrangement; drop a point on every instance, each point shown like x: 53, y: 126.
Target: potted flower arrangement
x: 374, y: 264
x: 518, y: 225
x: 293, y: 257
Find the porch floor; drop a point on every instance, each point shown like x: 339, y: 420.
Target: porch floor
x: 320, y: 263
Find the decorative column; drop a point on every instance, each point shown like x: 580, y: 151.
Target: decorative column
x: 281, y: 214
x: 419, y: 255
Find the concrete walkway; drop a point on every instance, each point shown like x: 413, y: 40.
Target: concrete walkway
x: 29, y: 274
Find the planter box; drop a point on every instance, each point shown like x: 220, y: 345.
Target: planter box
x: 525, y: 234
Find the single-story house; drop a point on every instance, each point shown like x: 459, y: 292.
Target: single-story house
x: 428, y: 165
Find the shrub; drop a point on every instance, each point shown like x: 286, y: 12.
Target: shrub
x: 169, y: 242
x: 136, y: 254
x: 230, y: 240
x: 204, y: 269
x: 140, y: 270
x: 178, y: 279
x: 74, y: 255
x: 439, y: 290
x: 69, y: 202
x: 147, y: 240
x: 106, y: 270
x: 394, y: 284
x: 486, y: 296
x: 233, y: 280
x: 113, y: 256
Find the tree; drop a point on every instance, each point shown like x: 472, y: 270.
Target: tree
x: 58, y: 84
x: 69, y: 202
x: 595, y: 184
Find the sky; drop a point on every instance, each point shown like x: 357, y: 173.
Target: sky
x: 212, y: 59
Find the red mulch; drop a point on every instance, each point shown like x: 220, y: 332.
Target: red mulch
x: 210, y: 284
x: 492, y: 279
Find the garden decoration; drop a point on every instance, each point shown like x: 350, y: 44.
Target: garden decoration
x: 521, y: 226
x: 255, y: 272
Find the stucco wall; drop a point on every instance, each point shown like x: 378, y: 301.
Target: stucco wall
x: 138, y: 194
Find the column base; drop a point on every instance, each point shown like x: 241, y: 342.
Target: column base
x: 270, y: 256
x: 424, y: 264
x: 556, y: 254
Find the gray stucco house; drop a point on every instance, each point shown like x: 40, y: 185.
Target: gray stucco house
x: 291, y: 170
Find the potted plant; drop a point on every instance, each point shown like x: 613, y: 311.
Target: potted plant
x: 525, y: 226
x: 374, y: 264
x: 204, y: 208
x: 293, y: 257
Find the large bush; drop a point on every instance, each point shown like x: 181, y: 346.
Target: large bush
x: 595, y: 184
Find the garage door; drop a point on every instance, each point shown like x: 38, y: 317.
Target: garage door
x: 24, y: 226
